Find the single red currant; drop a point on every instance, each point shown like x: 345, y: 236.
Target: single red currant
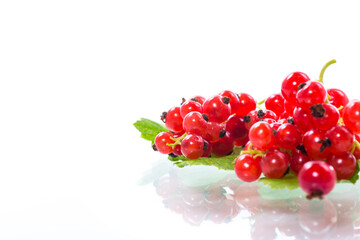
x: 297, y: 160
x: 344, y: 165
x: 288, y: 136
x: 338, y: 98
x: 217, y: 108
x: 324, y: 115
x: 161, y: 142
x: 317, y: 178
x: 199, y: 99
x: 192, y: 146
x: 313, y: 143
x: 214, y: 131
x: 190, y: 106
x: 303, y: 119
x: 339, y: 139
x: 351, y: 116
x: 275, y: 103
x: 195, y: 123
x: 247, y: 168
x: 234, y: 100
x: 261, y: 135
x: 224, y: 146
x: 247, y: 104
x: 309, y: 94
x: 289, y: 108
x: 173, y: 119
x: 275, y: 163
x: 236, y: 127
x: 289, y: 86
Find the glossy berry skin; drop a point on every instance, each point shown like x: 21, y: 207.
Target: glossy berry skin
x: 261, y: 135
x: 216, y: 109
x: 199, y: 99
x: 312, y: 143
x: 207, y: 149
x: 303, y: 119
x: 312, y: 93
x: 174, y: 121
x: 329, y: 119
x: 341, y: 139
x: 234, y: 100
x: 213, y: 131
x: 289, y: 108
x: 192, y: 146
x: 298, y: 160
x: 317, y: 178
x: 177, y: 150
x: 257, y: 115
x: 357, y: 151
x: 289, y: 86
x: 236, y: 127
x: 246, y: 104
x: 161, y: 141
x: 275, y: 103
x: 344, y: 165
x: 242, y: 141
x: 338, y: 98
x: 288, y: 136
x: 224, y: 146
x: 194, y: 123
x: 190, y: 106
x: 275, y: 163
x: 247, y: 168
x: 351, y: 116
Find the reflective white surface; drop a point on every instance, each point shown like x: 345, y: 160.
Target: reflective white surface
x: 204, y: 196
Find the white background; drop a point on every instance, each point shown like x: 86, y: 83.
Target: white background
x: 75, y: 76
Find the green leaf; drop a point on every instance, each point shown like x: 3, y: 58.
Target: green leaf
x: 224, y: 162
x: 289, y: 181
x: 149, y: 129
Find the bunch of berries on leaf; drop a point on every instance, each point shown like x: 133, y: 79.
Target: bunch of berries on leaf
x: 306, y: 129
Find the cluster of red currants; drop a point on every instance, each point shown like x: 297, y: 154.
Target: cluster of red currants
x: 201, y: 127
x: 308, y: 129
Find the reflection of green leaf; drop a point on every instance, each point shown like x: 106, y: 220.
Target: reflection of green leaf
x: 149, y: 129
x: 224, y: 162
x: 289, y: 181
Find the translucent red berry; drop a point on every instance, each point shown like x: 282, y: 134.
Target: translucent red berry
x: 234, y: 100
x: 344, y: 165
x: 275, y: 163
x: 192, y: 146
x: 261, y: 135
x: 324, y: 115
x: 246, y: 104
x: 195, y: 123
x: 289, y: 86
x: 309, y: 94
x: 247, y: 168
x: 217, y: 108
x: 275, y: 103
x: 351, y: 116
x: 288, y: 136
x: 190, y: 106
x: 173, y: 120
x: 161, y: 142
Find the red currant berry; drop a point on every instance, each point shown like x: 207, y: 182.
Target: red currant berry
x: 275, y: 163
x: 303, y: 119
x: 309, y: 94
x: 297, y: 160
x: 224, y: 146
x: 242, y: 141
x: 313, y: 142
x: 214, y: 132
x: 173, y: 120
x: 217, y: 108
x: 324, y: 115
x: 247, y: 168
x: 192, y: 146
x: 340, y: 139
x: 195, y: 123
x: 288, y: 136
x: 236, y: 127
x: 199, y: 99
x: 317, y: 178
x: 275, y: 103
x: 207, y: 149
x: 344, y: 165
x: 289, y: 108
x: 190, y: 106
x: 357, y: 151
x: 289, y: 86
x: 177, y: 150
x: 338, y: 98
x: 351, y: 116
x: 247, y: 104
x: 234, y: 100
x: 261, y: 135
x: 161, y: 142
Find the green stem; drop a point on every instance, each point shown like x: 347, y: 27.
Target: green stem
x: 177, y: 140
x: 324, y: 68
x: 261, y: 102
x: 356, y: 145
